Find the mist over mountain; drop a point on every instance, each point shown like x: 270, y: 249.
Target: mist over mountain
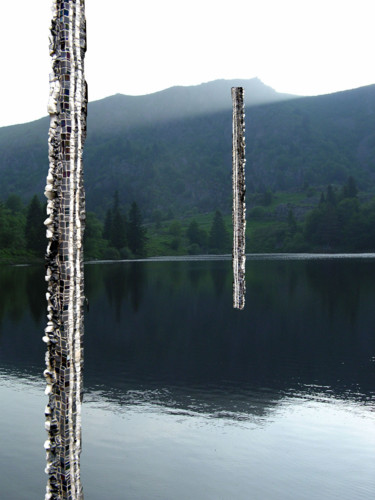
x: 176, y: 103
x: 171, y: 150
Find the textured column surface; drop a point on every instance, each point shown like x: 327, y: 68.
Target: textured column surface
x: 64, y: 258
x: 239, y: 207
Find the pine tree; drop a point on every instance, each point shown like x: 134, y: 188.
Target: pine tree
x: 136, y: 233
x: 107, y: 230
x: 118, y: 230
x: 330, y: 197
x: 196, y: 235
x: 219, y: 237
x: 292, y: 223
x: 349, y: 189
x: 115, y: 225
x: 14, y: 203
x: 192, y: 232
x: 35, y: 233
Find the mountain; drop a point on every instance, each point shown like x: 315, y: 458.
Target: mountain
x: 175, y: 103
x: 128, y: 138
x: 171, y: 150
x: 314, y: 140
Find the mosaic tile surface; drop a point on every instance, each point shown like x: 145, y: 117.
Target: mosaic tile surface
x: 239, y: 207
x: 64, y: 258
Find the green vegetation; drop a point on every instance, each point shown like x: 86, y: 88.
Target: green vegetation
x: 218, y: 240
x: 136, y: 233
x: 338, y: 222
x: 121, y: 236
x: 337, y: 219
x: 310, y: 175
x: 176, y: 157
x: 18, y: 244
x: 34, y: 229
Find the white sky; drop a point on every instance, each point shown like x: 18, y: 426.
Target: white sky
x: 304, y: 47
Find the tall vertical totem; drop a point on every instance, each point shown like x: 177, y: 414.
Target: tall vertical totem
x: 64, y: 257
x: 239, y: 189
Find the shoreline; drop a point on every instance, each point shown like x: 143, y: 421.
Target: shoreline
x: 24, y: 262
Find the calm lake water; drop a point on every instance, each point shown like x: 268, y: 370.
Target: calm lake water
x: 186, y: 398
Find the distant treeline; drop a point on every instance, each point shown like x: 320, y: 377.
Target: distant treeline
x: 22, y: 231
x: 125, y: 236
x: 183, y: 162
x: 338, y: 223
x: 122, y: 235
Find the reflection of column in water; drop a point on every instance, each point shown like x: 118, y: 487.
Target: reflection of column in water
x: 239, y: 208
x: 64, y: 257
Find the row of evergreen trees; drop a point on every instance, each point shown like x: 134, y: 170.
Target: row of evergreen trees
x: 126, y: 234
x: 22, y: 229
x: 338, y: 223
x: 125, y: 231
x: 216, y: 241
x: 122, y: 235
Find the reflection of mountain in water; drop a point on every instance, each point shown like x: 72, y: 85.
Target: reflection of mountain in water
x: 165, y: 333
x: 212, y: 402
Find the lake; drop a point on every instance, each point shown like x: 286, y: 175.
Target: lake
x: 186, y: 398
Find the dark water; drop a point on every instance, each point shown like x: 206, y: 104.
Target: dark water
x: 186, y: 397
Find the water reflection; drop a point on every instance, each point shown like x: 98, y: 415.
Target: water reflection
x: 165, y: 351
x: 122, y: 282
x: 22, y: 290
x: 171, y: 325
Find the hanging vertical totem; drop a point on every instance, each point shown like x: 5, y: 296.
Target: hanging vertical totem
x: 239, y: 207
x: 64, y: 258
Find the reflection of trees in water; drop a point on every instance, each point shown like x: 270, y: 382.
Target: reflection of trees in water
x: 22, y: 307
x: 197, y: 275
x: 137, y: 282
x: 124, y: 281
x: 94, y: 274
x: 174, y: 274
x: 293, y: 281
x: 171, y: 342
x: 116, y: 285
x: 219, y: 273
x: 36, y: 288
x: 22, y: 288
x: 264, y: 284
x: 190, y: 334
x: 339, y: 284
x: 13, y: 292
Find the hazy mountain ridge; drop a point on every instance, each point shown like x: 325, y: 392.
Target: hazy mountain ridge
x: 315, y: 140
x: 177, y: 102
x: 172, y: 149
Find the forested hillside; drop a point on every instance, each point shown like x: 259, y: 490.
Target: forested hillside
x: 149, y: 148
x: 177, y: 157
x: 169, y: 153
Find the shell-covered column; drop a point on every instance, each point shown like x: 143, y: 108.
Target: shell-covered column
x: 239, y: 207
x: 64, y: 257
